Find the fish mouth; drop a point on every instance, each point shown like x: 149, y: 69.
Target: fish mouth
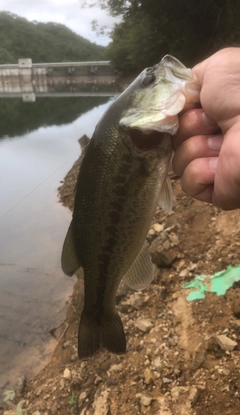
x: 145, y: 141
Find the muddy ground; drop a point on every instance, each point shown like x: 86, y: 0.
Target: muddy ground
x: 176, y: 363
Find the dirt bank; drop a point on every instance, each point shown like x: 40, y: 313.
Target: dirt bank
x: 175, y: 362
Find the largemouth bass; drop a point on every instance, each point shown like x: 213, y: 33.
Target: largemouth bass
x: 122, y: 177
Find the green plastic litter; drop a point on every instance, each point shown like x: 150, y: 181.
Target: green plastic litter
x: 218, y: 283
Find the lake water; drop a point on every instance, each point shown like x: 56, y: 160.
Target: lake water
x: 38, y: 146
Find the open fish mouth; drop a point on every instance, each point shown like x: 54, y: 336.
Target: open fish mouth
x: 145, y: 141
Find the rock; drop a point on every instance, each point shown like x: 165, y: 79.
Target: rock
x: 148, y: 376
x: 199, y: 355
x: 82, y: 396
x: 175, y: 392
x: 9, y: 412
x: 174, y: 238
x: 157, y: 227
x: 225, y: 342
x: 36, y: 413
x: 97, y: 380
x: 66, y: 344
x: 21, y: 383
x: 62, y: 384
x: 160, y: 256
x: 151, y: 232
x: 167, y: 380
x: 101, y: 404
x: 193, y: 396
x: 122, y: 291
x: 136, y: 301
x: 145, y: 400
x: 235, y: 324
x: 166, y: 245
x: 115, y: 368
x: 67, y: 374
x: 236, y: 308
x: 158, y: 363
x: 184, y: 273
x: 74, y: 357
x: 143, y: 325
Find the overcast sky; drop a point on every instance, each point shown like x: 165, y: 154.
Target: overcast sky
x: 67, y: 12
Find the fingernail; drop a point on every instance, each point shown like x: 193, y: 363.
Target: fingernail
x: 213, y: 163
x: 215, y: 142
x: 208, y: 121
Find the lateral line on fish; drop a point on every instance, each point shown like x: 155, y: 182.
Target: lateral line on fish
x: 40, y: 184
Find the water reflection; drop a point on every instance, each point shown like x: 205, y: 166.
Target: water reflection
x: 19, y: 118
x: 33, y: 224
x: 57, y: 84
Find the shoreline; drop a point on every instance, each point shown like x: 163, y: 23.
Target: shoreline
x: 172, y: 364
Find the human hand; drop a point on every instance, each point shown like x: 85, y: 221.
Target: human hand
x: 207, y: 144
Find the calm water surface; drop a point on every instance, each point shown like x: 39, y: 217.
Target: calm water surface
x: 33, y: 289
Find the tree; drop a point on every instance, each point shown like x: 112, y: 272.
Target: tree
x: 188, y: 29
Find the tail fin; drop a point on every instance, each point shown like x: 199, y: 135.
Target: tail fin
x: 108, y: 333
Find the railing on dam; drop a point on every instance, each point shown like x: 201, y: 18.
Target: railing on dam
x: 29, y: 79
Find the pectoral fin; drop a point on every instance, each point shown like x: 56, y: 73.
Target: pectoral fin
x: 166, y: 196
x: 141, y: 272
x: 69, y: 260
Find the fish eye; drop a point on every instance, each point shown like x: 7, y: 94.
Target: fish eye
x: 148, y: 79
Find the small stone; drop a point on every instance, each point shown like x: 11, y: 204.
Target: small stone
x: 192, y: 266
x: 10, y: 412
x: 202, y: 386
x: 193, y: 396
x: 116, y: 368
x: 226, y: 372
x: 166, y: 245
x: 157, y: 227
x: 235, y: 324
x: 175, y: 296
x: 74, y: 357
x: 145, y: 400
x: 236, y: 308
x: 148, y: 376
x: 160, y: 256
x: 82, y: 396
x: 158, y: 363
x: 66, y: 344
x: 67, y: 374
x: 174, y: 238
x: 62, y: 383
x: 151, y: 232
x: 143, y: 325
x: 36, y: 413
x: 101, y: 404
x: 136, y: 301
x: 97, y: 380
x: 167, y: 380
x: 175, y: 392
x: 225, y: 342
x: 184, y: 273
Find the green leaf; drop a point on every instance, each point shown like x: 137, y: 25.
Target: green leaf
x: 9, y: 395
x: 18, y: 411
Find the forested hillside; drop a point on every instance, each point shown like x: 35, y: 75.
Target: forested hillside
x: 188, y: 29
x: 43, y: 42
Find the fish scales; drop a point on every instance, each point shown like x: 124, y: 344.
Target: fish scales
x: 121, y: 179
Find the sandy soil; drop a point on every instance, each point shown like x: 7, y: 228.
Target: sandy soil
x: 175, y: 362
